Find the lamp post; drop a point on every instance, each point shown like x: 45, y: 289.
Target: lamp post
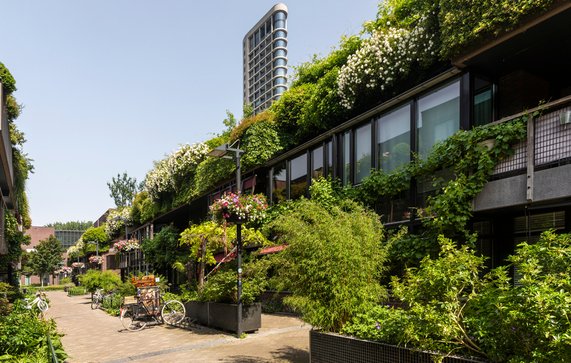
x: 222, y: 152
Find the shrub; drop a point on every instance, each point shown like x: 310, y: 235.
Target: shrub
x: 95, y: 279
x: 23, y: 337
x: 222, y: 286
x: 333, y: 262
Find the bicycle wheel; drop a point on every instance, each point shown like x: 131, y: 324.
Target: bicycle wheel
x: 173, y: 312
x: 95, y: 302
x: 130, y: 320
x: 43, y: 306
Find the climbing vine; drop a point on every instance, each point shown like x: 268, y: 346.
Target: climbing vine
x: 471, y: 163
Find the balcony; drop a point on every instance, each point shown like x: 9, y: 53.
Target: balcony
x: 539, y: 170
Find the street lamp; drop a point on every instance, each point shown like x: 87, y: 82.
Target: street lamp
x: 222, y: 152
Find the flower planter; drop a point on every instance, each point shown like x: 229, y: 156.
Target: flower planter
x: 335, y: 348
x: 225, y: 316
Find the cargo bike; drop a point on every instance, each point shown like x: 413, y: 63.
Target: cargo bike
x: 148, y: 306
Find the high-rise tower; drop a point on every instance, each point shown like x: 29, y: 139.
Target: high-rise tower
x: 265, y: 59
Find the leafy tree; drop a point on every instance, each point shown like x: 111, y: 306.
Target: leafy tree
x: 333, y: 261
x: 94, y: 234
x: 207, y: 238
x: 123, y: 189
x: 71, y: 226
x: 162, y: 250
x: 47, y: 257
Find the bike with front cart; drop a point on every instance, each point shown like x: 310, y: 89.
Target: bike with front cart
x: 148, y: 306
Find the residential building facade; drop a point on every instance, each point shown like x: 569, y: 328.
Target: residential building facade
x: 265, y: 59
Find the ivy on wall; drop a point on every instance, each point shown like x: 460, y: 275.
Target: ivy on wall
x: 471, y: 163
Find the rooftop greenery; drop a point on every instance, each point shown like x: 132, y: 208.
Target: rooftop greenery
x: 401, y: 46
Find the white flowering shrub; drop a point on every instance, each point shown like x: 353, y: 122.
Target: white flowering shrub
x: 384, y: 58
x: 167, y: 174
x: 116, y: 220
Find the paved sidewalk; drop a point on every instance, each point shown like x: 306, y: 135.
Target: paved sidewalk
x: 93, y: 336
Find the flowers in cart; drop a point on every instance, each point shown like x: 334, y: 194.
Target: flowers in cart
x: 233, y: 207
x: 126, y: 245
x: 98, y: 260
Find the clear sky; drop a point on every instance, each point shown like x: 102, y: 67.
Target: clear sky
x: 111, y: 85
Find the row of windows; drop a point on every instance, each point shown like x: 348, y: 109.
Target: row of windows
x: 266, y: 54
x: 385, y: 141
x: 279, y: 22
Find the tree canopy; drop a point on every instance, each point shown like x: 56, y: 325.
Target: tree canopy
x: 47, y: 257
x: 123, y: 189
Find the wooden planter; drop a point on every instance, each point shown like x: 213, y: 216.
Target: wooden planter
x: 224, y: 316
x: 335, y: 348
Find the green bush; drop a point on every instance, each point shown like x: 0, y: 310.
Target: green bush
x: 450, y: 307
x: 95, y: 279
x: 221, y: 286
x: 76, y: 291
x: 333, y: 261
x: 23, y: 337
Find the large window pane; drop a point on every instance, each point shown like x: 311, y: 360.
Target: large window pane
x: 362, y: 152
x: 438, y: 117
x: 298, y: 184
x: 393, y: 138
x: 346, y: 157
x: 329, y: 155
x: 317, y: 162
x: 279, y: 183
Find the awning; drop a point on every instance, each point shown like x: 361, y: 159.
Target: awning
x: 272, y: 249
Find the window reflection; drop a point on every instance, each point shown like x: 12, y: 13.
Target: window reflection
x: 438, y: 117
x: 393, y: 139
x: 279, y: 183
x: 362, y: 152
x: 346, y: 157
x: 298, y: 184
x: 317, y: 163
x: 329, y: 154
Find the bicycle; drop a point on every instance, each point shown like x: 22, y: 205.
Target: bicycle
x: 150, y: 306
x: 96, y: 299
x: 38, y: 302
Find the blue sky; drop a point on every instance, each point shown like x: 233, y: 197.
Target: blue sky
x: 111, y: 85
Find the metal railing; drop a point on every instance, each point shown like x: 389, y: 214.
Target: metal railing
x: 548, y: 140
x: 52, y: 356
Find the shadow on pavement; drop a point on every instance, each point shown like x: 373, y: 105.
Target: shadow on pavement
x: 287, y: 354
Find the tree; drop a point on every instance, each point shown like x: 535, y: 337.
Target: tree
x: 71, y: 225
x: 47, y: 257
x: 123, y: 189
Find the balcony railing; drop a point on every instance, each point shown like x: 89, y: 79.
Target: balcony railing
x: 548, y: 140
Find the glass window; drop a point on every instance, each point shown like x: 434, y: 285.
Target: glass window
x: 329, y: 154
x: 298, y: 183
x: 279, y: 24
x: 280, y: 15
x: 279, y: 90
x: 280, y: 53
x: 438, y: 117
x: 362, y: 152
x: 482, y: 102
x: 393, y: 138
x: 279, y: 183
x: 280, y: 43
x: 317, y: 163
x: 280, y: 62
x: 280, y: 34
x: 346, y: 157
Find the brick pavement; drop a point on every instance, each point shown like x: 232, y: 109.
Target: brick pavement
x: 93, y: 336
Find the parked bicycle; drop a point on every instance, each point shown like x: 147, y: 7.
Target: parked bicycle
x: 39, y: 302
x: 149, y: 306
x: 96, y: 299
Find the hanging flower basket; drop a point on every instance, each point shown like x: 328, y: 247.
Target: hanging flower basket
x: 98, y: 260
x: 125, y: 246
x: 78, y: 265
x: 239, y: 208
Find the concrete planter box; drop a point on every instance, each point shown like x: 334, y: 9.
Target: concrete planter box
x: 335, y: 348
x: 224, y: 316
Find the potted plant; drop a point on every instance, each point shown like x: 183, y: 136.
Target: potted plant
x: 240, y: 208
